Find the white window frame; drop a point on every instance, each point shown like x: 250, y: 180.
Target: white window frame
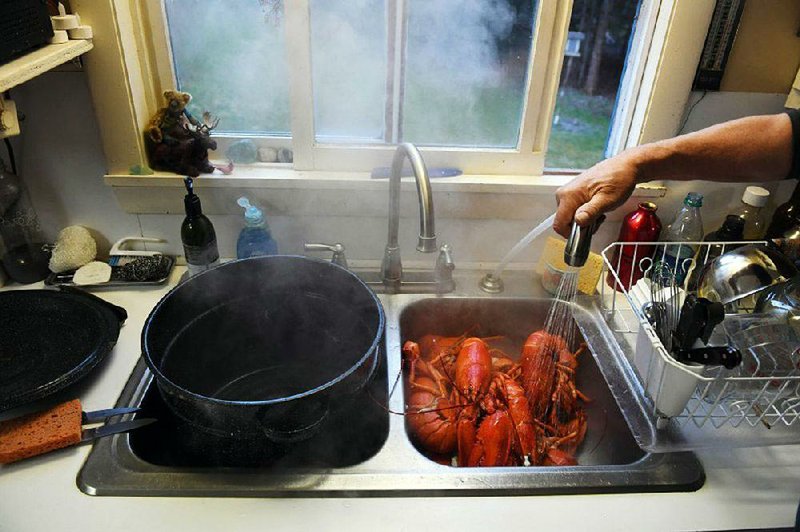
x: 632, y: 76
x: 526, y: 158
x: 126, y: 89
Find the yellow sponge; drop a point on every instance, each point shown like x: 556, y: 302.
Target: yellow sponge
x: 553, y: 255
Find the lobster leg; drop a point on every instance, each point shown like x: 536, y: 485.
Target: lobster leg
x: 419, y: 368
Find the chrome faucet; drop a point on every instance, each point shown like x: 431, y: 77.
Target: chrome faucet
x: 392, y: 268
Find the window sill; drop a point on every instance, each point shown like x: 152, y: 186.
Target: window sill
x: 284, y: 191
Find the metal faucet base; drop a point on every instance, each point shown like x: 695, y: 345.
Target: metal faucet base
x: 423, y: 282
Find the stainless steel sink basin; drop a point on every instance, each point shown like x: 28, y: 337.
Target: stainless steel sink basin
x: 608, y: 440
x: 389, y: 464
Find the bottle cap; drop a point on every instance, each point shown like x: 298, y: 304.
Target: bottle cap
x: 648, y: 206
x: 693, y: 199
x: 252, y: 214
x: 755, y: 196
x: 190, y: 201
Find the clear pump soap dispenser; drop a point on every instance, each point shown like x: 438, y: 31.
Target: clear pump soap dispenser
x: 255, y: 238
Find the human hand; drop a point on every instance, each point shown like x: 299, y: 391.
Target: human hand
x: 603, y: 187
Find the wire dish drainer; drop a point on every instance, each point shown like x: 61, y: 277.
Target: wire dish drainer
x: 674, y: 406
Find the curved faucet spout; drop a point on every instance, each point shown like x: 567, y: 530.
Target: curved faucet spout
x: 392, y: 268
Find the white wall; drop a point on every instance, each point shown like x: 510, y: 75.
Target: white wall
x: 708, y: 108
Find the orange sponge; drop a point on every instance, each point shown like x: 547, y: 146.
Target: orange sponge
x: 41, y: 432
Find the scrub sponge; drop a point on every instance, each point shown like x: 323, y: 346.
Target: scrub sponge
x: 74, y: 248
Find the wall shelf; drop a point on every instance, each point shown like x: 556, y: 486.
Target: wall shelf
x: 40, y: 61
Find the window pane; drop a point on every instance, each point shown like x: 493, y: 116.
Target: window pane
x: 230, y: 55
x: 348, y: 64
x: 466, y: 70
x: 595, y: 57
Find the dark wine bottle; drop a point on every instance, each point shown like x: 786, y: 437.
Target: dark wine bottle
x: 197, y: 234
x: 732, y: 230
x: 787, y: 217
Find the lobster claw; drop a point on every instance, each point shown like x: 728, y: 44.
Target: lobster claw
x: 493, y: 441
x: 466, y: 434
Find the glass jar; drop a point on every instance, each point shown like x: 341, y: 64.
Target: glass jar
x: 24, y: 253
x: 753, y: 200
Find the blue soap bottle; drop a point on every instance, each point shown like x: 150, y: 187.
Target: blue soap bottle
x: 255, y: 239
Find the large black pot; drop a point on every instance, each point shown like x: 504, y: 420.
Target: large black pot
x: 264, y: 347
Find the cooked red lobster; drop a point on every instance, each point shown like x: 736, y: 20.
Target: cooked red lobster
x: 471, y: 400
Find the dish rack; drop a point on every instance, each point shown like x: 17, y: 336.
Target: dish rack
x: 671, y: 406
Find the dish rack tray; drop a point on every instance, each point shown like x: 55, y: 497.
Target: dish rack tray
x: 670, y: 406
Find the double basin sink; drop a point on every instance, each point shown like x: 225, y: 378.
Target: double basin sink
x: 376, y: 457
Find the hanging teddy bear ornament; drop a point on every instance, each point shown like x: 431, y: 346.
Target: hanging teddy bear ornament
x: 178, y: 142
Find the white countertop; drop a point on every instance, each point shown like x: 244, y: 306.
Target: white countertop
x: 745, y: 488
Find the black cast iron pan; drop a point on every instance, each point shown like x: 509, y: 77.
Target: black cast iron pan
x: 51, y: 339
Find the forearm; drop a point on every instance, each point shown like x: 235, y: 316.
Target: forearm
x: 757, y: 148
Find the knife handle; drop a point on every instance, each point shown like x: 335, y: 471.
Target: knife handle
x: 40, y: 432
x: 711, y: 356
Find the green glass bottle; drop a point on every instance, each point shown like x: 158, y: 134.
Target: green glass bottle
x: 197, y: 234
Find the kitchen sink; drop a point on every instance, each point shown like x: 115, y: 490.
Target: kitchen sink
x: 375, y: 456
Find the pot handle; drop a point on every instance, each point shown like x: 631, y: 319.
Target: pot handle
x: 298, y: 433
x: 120, y: 313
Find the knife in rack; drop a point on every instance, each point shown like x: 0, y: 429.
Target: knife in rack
x: 58, y: 427
x: 697, y: 320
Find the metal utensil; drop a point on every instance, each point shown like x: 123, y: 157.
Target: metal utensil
x: 743, y: 272
x: 782, y: 300
x: 114, y: 428
x: 697, y: 321
x: 580, y: 239
x: 665, y: 304
x: 99, y: 415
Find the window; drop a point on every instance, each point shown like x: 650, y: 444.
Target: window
x: 231, y: 56
x: 133, y: 62
x: 596, y: 54
x: 470, y: 81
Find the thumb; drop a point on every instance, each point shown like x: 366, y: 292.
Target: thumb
x: 590, y: 211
